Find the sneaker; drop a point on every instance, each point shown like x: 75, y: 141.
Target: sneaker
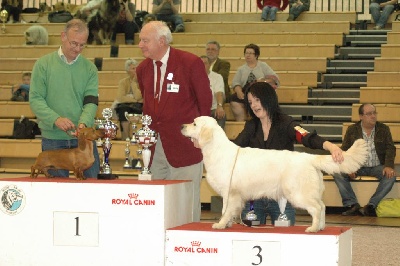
x: 377, y: 27
x: 353, y: 210
x: 180, y: 28
x: 368, y: 210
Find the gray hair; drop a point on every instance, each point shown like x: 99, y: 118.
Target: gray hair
x: 77, y: 25
x: 162, y: 30
x: 130, y: 62
x: 214, y: 42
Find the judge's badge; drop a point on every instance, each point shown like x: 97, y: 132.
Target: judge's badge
x: 173, y: 87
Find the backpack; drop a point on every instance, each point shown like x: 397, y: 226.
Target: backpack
x: 25, y: 129
x: 140, y: 17
x: 59, y: 16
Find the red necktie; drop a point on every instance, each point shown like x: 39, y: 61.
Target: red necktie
x: 158, y: 87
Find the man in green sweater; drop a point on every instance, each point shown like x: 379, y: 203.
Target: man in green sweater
x: 64, y: 93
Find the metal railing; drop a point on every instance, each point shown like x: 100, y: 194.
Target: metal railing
x: 223, y: 6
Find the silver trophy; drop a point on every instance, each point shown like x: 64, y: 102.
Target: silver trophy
x: 251, y: 216
x: 282, y: 220
x: 131, y: 162
x: 146, y: 138
x: 110, y: 133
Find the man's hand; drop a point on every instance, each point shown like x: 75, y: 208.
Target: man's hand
x: 64, y: 124
x: 389, y: 172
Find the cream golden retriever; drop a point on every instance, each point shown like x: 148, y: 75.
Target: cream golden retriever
x: 242, y: 174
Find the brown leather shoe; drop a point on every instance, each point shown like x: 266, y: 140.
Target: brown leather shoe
x: 353, y: 210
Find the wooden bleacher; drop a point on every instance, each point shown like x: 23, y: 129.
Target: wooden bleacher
x: 380, y: 95
x: 268, y: 27
x: 280, y: 16
x: 386, y: 113
x: 390, y: 50
x: 383, y: 79
x: 36, y: 51
x: 387, y: 64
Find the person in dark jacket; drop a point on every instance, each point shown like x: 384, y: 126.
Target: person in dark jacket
x: 269, y: 128
x: 380, y: 163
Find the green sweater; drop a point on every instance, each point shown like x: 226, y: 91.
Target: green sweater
x: 58, y: 90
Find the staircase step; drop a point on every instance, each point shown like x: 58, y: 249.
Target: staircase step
x: 350, y: 63
x: 344, y: 70
x: 345, y: 77
x: 367, y: 43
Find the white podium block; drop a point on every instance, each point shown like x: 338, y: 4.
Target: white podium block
x: 67, y: 222
x: 198, y: 244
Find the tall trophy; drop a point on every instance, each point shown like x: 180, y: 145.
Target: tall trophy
x: 282, y: 220
x: 3, y: 17
x: 110, y: 133
x: 132, y: 162
x: 146, y: 138
x: 251, y: 216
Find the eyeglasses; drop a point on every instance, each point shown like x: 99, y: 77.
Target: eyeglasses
x: 75, y: 44
x: 371, y: 113
x: 249, y: 53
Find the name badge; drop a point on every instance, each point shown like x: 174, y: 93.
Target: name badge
x: 173, y: 87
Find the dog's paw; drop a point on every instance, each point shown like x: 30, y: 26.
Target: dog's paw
x: 218, y: 226
x: 312, y: 230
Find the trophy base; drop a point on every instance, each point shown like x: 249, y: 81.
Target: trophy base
x: 144, y: 177
x: 107, y: 176
x: 251, y: 222
x: 282, y: 223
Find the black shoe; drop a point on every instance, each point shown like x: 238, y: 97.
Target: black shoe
x: 368, y: 210
x: 353, y: 210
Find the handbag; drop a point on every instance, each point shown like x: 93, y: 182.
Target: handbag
x: 59, y: 17
x: 388, y: 208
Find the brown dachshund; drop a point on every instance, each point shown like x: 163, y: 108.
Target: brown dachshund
x: 77, y: 159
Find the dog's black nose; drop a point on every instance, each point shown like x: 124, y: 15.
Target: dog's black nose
x: 183, y: 126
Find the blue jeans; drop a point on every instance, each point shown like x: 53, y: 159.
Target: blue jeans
x: 272, y: 13
x: 263, y: 207
x: 175, y: 19
x: 347, y: 193
x: 129, y: 28
x: 380, y: 19
x: 297, y: 10
x: 53, y: 144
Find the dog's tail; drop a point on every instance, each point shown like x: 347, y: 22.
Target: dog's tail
x: 354, y: 158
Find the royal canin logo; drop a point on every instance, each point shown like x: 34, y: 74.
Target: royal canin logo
x: 132, y: 199
x: 195, y: 247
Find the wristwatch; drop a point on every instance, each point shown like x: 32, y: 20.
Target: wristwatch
x: 219, y: 104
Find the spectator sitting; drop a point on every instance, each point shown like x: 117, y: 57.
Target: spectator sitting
x: 218, y: 65
x: 125, y: 22
x: 296, y: 7
x: 20, y: 92
x: 13, y: 10
x: 88, y: 10
x: 387, y: 8
x: 167, y: 11
x: 380, y: 162
x: 217, y: 88
x: 251, y: 71
x: 270, y: 7
x: 129, y: 98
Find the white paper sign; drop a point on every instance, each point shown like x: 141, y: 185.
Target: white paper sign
x: 263, y: 253
x: 76, y: 229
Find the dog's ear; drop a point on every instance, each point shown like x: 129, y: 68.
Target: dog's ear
x: 205, y: 136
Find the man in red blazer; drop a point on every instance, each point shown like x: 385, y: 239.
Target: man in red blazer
x: 185, y: 94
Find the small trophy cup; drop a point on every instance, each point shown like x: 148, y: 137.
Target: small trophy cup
x: 282, y: 220
x: 251, y: 217
x: 146, y: 138
x: 3, y: 17
x: 110, y: 133
x: 133, y: 119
